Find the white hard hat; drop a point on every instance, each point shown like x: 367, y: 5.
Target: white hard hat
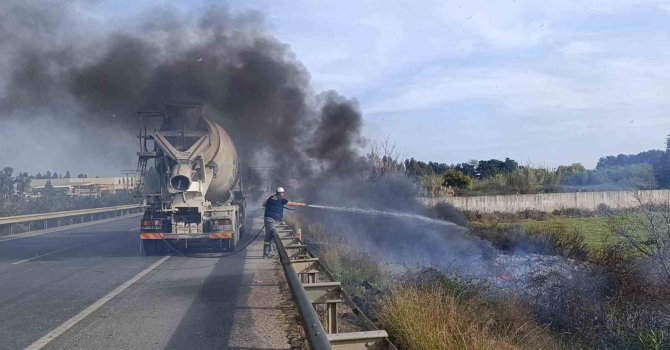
x: 280, y: 189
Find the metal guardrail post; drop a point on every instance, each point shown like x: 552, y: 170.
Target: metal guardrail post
x: 331, y: 316
x: 368, y: 340
x: 301, y: 267
x: 316, y: 335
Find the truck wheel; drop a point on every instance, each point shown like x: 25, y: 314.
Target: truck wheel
x: 219, y: 245
x: 224, y: 245
x: 149, y: 247
x: 162, y: 247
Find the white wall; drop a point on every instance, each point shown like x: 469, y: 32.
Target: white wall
x: 552, y: 201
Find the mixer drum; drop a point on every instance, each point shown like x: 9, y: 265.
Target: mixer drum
x: 223, y: 161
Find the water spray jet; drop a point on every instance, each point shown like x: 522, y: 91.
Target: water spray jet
x: 416, y: 217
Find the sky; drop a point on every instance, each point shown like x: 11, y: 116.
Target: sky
x: 542, y: 82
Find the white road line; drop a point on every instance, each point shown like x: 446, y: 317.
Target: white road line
x: 50, y: 253
x: 136, y: 228
x: 40, y: 343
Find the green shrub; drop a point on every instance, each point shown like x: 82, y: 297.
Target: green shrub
x: 540, y: 237
x: 455, y: 178
x: 434, y: 185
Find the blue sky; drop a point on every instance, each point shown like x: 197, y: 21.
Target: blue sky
x: 542, y: 82
x: 545, y: 82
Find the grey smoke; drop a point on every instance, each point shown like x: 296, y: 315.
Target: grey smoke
x: 391, y: 239
x: 547, y: 283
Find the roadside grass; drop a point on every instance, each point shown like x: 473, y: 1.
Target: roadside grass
x: 431, y: 317
x: 425, y: 309
x: 540, y: 237
x: 594, y: 230
x: 428, y: 309
x: 348, y: 265
x: 631, y: 309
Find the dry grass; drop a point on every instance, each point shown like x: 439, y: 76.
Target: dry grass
x: 349, y: 266
x: 427, y: 318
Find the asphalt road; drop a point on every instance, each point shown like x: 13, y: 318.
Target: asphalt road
x: 91, y: 288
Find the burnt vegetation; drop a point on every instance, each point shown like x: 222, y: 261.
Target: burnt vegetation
x: 514, y: 281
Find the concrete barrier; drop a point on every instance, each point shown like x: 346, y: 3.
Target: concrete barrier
x: 552, y: 201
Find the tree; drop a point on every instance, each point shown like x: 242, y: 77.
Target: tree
x: 510, y: 165
x: 6, y: 182
x: 433, y: 185
x: 383, y: 160
x: 414, y: 168
x: 67, y: 174
x: 22, y: 183
x: 455, y: 178
x: 662, y: 167
x: 492, y: 167
x: 489, y: 168
x: 469, y: 169
x: 649, y: 157
x: 633, y: 176
x: 573, y: 168
x: 438, y: 168
x: 48, y: 188
x: 47, y: 175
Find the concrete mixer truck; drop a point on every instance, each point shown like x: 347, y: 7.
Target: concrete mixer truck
x: 189, y: 182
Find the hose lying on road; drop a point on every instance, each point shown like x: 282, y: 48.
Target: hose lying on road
x: 215, y: 256
x: 172, y: 248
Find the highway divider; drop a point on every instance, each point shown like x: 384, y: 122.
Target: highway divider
x: 25, y: 223
x: 311, y: 285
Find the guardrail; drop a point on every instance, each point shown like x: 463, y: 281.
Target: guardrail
x: 25, y: 223
x: 302, y: 270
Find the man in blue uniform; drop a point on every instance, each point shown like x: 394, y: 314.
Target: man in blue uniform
x: 274, y: 214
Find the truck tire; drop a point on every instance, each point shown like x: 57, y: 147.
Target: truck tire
x: 149, y: 247
x: 224, y: 245
x: 162, y: 247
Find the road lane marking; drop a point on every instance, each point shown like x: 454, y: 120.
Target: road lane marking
x: 50, y: 253
x: 46, y: 339
x: 136, y: 228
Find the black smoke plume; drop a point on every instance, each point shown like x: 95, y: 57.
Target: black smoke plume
x: 56, y: 65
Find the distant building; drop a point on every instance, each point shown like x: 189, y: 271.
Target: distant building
x: 92, y: 186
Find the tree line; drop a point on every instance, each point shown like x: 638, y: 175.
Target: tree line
x: 19, y: 183
x: 475, y: 169
x: 55, y: 175
x: 645, y: 170
x: 15, y: 187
